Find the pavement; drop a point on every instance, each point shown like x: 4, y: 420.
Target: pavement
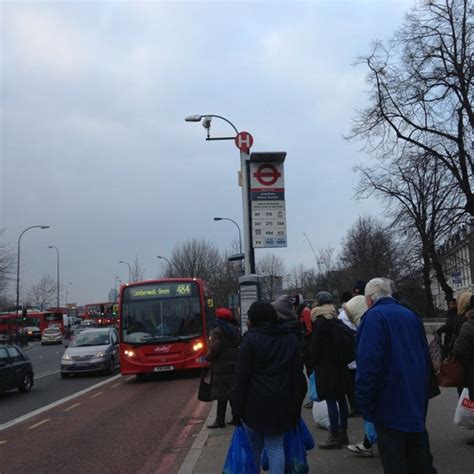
x: 451, y: 453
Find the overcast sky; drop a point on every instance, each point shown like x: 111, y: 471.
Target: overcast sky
x: 94, y: 142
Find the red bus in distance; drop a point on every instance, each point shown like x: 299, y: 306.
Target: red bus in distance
x: 164, y: 325
x: 104, y: 314
x: 11, y: 322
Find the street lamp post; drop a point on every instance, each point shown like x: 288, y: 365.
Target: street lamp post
x: 18, y: 262
x: 18, y: 266
x: 67, y: 290
x: 249, y: 257
x: 169, y: 263
x: 129, y: 269
x: 236, y: 225
x: 57, y: 273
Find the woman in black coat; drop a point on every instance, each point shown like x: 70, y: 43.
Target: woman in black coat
x: 269, y: 384
x: 332, y: 376
x: 223, y: 354
x: 464, y: 352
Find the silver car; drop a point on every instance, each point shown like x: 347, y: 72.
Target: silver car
x: 92, y: 350
x: 51, y: 336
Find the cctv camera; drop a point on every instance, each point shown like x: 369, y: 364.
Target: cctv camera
x: 206, y: 122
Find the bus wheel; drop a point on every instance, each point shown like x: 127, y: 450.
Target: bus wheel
x: 141, y: 377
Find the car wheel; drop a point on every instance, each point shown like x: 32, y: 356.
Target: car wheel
x: 26, y: 384
x: 111, y: 368
x: 64, y: 375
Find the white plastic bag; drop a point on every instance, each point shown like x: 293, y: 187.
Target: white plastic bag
x: 320, y: 414
x: 464, y: 414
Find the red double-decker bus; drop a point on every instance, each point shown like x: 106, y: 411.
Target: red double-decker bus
x: 103, y: 314
x: 10, y: 323
x: 164, y: 325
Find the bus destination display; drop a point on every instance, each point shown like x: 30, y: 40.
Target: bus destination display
x: 163, y: 290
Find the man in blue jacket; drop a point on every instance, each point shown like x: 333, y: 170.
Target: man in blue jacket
x: 392, y: 380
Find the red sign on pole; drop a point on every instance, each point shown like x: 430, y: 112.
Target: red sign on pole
x: 244, y: 141
x: 267, y: 174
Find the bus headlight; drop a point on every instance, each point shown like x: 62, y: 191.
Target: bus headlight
x: 129, y: 353
x: 198, y: 346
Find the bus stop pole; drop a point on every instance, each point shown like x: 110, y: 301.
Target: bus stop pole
x: 244, y: 160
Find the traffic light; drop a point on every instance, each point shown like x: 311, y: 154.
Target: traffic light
x: 102, y: 310
x: 23, y: 314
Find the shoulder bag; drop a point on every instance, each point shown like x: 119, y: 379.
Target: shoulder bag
x: 204, y: 392
x: 451, y: 374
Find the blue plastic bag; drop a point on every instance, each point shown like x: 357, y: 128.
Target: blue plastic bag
x: 296, y: 442
x: 239, y: 456
x: 369, y: 429
x: 306, y: 435
x: 313, y: 392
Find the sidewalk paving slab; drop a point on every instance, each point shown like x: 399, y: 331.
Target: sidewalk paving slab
x: 451, y: 453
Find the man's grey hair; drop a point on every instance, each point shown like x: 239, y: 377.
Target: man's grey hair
x: 378, y: 288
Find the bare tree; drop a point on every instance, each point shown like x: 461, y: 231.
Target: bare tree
x: 420, y: 86
x: 196, y: 258
x: 43, y: 293
x: 226, y: 281
x: 369, y: 250
x: 272, y: 268
x: 7, y: 264
x: 136, y: 271
x: 424, y: 203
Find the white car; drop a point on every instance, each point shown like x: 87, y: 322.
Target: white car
x: 51, y: 335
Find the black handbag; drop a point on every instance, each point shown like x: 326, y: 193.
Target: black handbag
x: 204, y: 392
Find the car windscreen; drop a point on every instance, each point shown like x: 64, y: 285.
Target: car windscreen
x: 162, y: 311
x: 90, y: 338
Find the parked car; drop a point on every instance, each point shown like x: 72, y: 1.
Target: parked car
x: 51, y: 335
x: 94, y: 349
x: 33, y: 332
x: 16, y: 370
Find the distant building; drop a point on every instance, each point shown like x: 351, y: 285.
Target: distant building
x: 112, y: 295
x: 457, y: 259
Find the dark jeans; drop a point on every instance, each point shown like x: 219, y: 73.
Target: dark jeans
x: 404, y: 453
x: 337, y: 411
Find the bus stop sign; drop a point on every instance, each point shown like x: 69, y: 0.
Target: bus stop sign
x: 244, y: 141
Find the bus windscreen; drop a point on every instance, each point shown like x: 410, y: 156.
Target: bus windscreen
x: 158, y: 312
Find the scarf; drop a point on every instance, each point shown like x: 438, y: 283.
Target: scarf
x: 326, y: 310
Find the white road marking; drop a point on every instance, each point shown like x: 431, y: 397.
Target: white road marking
x: 56, y: 403
x: 96, y: 394
x: 130, y: 378
x: 116, y: 385
x: 72, y: 406
x: 3, y: 441
x: 42, y: 422
x: 46, y: 374
x: 195, y: 451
